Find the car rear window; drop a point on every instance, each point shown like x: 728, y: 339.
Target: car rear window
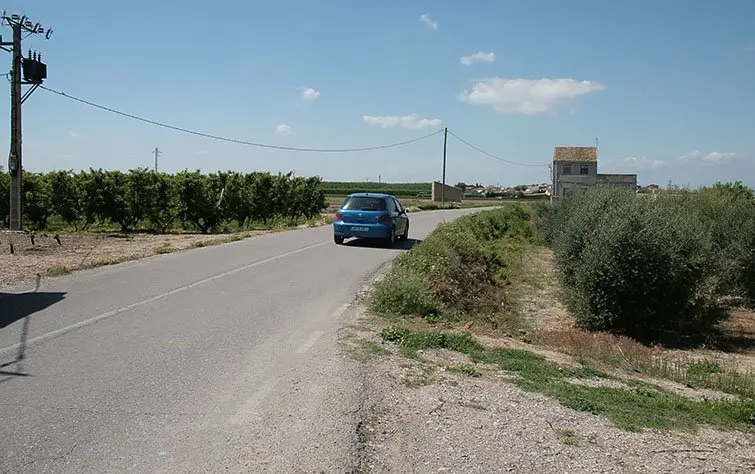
x: 362, y: 203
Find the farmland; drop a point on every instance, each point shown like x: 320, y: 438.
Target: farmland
x: 97, y: 217
x: 400, y: 190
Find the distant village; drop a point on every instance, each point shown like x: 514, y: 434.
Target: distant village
x: 529, y: 190
x: 573, y: 168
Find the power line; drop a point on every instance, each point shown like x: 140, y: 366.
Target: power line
x: 492, y: 155
x: 234, y: 140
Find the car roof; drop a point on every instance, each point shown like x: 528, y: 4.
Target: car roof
x: 377, y: 195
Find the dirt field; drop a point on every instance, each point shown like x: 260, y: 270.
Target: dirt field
x: 74, y: 252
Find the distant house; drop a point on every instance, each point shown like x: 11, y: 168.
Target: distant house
x: 576, y: 167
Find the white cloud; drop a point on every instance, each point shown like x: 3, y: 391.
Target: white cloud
x: 643, y: 163
x: 411, y: 121
x: 309, y: 94
x: 73, y: 134
x: 712, y: 157
x: 717, y: 157
x: 283, y: 130
x: 425, y: 18
x: 693, y: 155
x: 478, y: 57
x: 528, y: 96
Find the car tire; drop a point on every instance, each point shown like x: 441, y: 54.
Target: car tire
x: 390, y: 241
x: 338, y: 239
x: 405, y: 235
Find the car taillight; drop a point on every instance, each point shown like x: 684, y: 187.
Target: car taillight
x: 385, y: 219
x: 339, y: 217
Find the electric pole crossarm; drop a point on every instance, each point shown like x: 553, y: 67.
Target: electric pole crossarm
x: 29, y: 92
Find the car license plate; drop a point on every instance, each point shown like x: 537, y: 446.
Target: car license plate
x: 359, y: 229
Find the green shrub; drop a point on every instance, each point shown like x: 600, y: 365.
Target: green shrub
x: 637, y: 266
x: 727, y: 212
x: 403, y: 295
x: 461, y: 270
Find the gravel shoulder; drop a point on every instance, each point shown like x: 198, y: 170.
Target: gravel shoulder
x: 425, y: 418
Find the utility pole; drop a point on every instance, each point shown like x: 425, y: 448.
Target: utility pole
x: 553, y: 182
x: 443, y: 187
x: 596, y: 145
x: 157, y: 156
x: 24, y: 71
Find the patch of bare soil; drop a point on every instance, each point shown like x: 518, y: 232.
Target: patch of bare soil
x: 50, y: 257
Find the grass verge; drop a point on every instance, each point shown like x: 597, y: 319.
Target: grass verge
x: 638, y: 406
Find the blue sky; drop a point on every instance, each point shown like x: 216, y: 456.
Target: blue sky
x: 666, y: 86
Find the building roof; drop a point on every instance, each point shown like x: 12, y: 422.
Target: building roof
x: 575, y: 153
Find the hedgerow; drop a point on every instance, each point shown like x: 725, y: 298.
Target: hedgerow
x: 653, y: 266
x: 145, y: 199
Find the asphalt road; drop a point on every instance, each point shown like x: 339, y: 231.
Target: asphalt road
x: 221, y: 358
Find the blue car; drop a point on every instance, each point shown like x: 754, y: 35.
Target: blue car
x: 371, y: 216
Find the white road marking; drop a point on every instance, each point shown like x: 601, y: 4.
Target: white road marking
x: 87, y: 322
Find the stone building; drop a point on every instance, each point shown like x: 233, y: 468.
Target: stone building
x: 577, y: 167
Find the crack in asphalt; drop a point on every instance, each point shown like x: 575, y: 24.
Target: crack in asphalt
x: 45, y: 458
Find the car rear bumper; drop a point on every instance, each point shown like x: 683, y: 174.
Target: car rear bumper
x: 366, y: 231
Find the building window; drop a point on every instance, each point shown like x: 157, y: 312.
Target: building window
x: 567, y: 169
x: 583, y: 169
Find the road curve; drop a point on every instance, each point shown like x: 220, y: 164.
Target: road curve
x: 221, y: 358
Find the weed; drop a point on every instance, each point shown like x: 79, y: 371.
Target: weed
x: 568, y: 437
x: 703, y: 367
x: 58, y: 271
x: 200, y: 244
x: 163, y: 249
x: 411, y: 342
x: 362, y: 349
x: 465, y: 369
x: 420, y: 375
x: 640, y: 406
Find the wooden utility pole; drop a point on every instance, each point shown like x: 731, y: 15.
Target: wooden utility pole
x: 16, y: 147
x: 30, y: 71
x: 443, y: 184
